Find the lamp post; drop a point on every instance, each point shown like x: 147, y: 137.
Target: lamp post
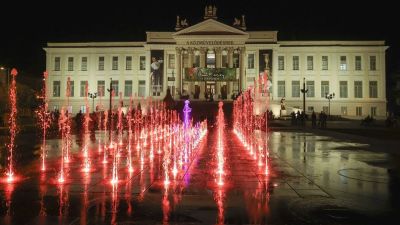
x: 304, y: 91
x: 8, y: 74
x: 329, y: 97
x: 110, y: 113
x: 92, y: 96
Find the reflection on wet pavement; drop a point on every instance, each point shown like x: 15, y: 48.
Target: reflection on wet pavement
x: 312, y: 180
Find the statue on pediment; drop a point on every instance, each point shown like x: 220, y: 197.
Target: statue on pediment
x: 236, y: 22
x: 184, y: 23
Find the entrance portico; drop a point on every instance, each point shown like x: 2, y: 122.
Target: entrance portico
x: 214, y: 49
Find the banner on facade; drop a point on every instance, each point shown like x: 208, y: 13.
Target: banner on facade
x: 157, y: 71
x: 265, y: 69
x: 210, y: 74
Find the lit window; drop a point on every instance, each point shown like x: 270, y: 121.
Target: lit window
x: 310, y: 63
x: 56, y: 88
x: 57, y: 63
x: 70, y: 63
x: 358, y: 63
x: 324, y: 62
x: 115, y: 63
x: 101, y: 63
x: 343, y: 63
x: 84, y: 64
x: 128, y: 63
x: 373, y: 89
x: 295, y: 62
x: 358, y: 89
x: 281, y: 63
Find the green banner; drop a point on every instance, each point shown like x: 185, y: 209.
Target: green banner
x: 210, y: 74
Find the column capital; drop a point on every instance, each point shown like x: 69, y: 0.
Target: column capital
x: 203, y: 50
x: 179, y: 50
x: 217, y: 50
x: 230, y: 50
x: 191, y: 50
x: 242, y: 49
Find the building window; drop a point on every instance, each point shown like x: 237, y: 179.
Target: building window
x: 128, y: 88
x: 142, y: 88
x: 311, y: 88
x: 84, y: 83
x: 224, y: 60
x: 324, y: 88
x: 325, y: 62
x: 281, y: 62
x: 142, y: 62
x: 56, y: 88
x: 115, y: 87
x: 295, y: 62
x: 343, y: 110
x: 56, y: 108
x: 236, y: 60
x: 358, y: 111
x: 101, y: 87
x: 343, y: 63
x: 373, y: 111
x: 115, y: 63
x: 281, y: 88
x: 84, y: 64
x: 70, y: 63
x: 358, y: 63
x: 71, y: 88
x: 343, y: 89
x: 310, y: 63
x: 250, y: 61
x: 83, y: 109
x: 128, y: 63
x: 310, y: 108
x: 210, y: 60
x: 101, y: 63
x: 372, y: 63
x: 295, y: 88
x: 57, y: 64
x: 358, y: 89
x: 171, y: 61
x: 197, y: 61
x: 373, y: 89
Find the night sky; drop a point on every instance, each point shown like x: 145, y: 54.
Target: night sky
x: 26, y: 27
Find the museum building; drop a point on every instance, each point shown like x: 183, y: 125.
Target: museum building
x: 211, y: 59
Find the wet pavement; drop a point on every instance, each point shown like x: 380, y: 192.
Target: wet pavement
x: 312, y: 180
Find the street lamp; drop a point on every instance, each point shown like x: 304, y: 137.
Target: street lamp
x: 304, y: 91
x: 92, y: 96
x: 8, y: 74
x: 329, y: 97
x: 110, y: 113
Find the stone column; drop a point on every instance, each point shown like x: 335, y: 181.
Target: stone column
x: 218, y: 57
x: 242, y: 68
x: 178, y: 69
x: 230, y: 65
x: 190, y: 52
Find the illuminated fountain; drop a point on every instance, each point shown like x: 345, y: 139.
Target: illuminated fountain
x: 43, y: 120
x: 86, y: 120
x: 12, y: 121
x: 220, y: 146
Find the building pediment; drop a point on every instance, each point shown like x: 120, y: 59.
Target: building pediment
x: 210, y: 27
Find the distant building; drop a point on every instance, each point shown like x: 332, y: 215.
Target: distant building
x: 211, y: 57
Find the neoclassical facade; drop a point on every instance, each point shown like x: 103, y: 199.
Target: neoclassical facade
x: 211, y: 58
